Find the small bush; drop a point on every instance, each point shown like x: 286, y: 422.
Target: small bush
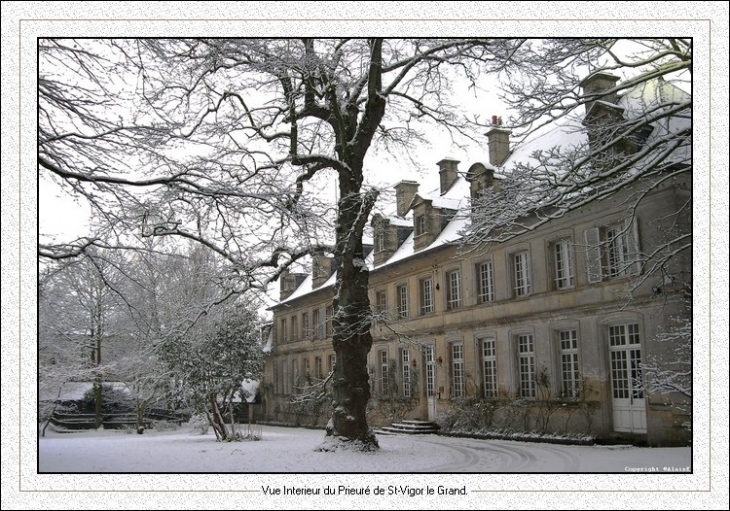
x: 199, y: 424
x: 165, y: 425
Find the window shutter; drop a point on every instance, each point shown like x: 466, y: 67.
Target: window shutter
x: 593, y: 255
x: 634, y: 249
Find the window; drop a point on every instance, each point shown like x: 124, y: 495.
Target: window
x: 402, y: 292
x: 617, y: 251
x: 331, y: 363
x: 383, y: 372
x: 285, y: 383
x: 405, y: 358
x: 319, y: 323
x: 328, y: 321
x: 453, y: 289
x: 318, y: 368
x: 282, y: 334
x: 625, y: 352
x: 420, y: 224
x: 489, y: 361
x: 569, y: 363
x: 562, y: 252
x: 316, y: 325
x: 295, y: 375
x: 381, y: 304
x: 306, y: 373
x: 521, y: 273
x: 306, y: 333
x: 485, y: 282
x: 294, y: 328
x: 430, y: 372
x: 526, y: 365
x: 457, y: 369
x: 612, y: 251
x: 380, y: 241
x: 426, y: 295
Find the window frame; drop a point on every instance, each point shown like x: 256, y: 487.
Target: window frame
x: 569, y: 363
x: 401, y: 291
x: 318, y: 368
x: 316, y: 324
x: 613, y: 250
x: 457, y: 376
x: 420, y: 224
x: 526, y: 365
x: 521, y: 273
x: 454, y: 289
x: 482, y: 296
x: 381, y: 306
x: 490, y: 388
x: 380, y: 241
x: 384, y: 364
x: 562, y: 261
x: 306, y: 332
x: 294, y: 328
x: 283, y: 336
x: 328, y: 324
x: 427, y: 304
x: 631, y: 336
x: 405, y: 360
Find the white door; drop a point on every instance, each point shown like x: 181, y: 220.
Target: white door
x: 629, y: 404
x: 430, y: 383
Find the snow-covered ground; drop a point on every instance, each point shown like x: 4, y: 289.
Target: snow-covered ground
x: 293, y: 450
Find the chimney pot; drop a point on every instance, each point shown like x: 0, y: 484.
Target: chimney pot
x: 449, y: 173
x: 498, y: 145
x: 404, y: 193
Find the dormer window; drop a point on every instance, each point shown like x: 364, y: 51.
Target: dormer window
x: 420, y: 224
x: 380, y: 242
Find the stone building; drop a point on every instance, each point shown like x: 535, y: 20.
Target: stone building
x: 540, y: 327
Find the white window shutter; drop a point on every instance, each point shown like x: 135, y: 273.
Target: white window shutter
x: 634, y: 249
x: 593, y: 255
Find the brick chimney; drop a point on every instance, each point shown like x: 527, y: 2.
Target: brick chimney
x: 321, y: 269
x: 448, y: 170
x: 404, y: 193
x: 498, y: 139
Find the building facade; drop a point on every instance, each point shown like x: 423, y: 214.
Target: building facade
x: 546, y: 331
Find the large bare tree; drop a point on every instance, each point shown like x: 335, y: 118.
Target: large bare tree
x: 230, y: 142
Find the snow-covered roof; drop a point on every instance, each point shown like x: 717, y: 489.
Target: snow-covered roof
x: 456, y: 198
x: 306, y: 287
x: 569, y: 134
x: 662, y: 95
x: 250, y: 389
x: 399, y: 221
x: 450, y: 234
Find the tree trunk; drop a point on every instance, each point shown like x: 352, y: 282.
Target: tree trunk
x: 351, y: 336
x: 98, y: 402
x: 140, y: 405
x: 217, y: 422
x: 98, y: 390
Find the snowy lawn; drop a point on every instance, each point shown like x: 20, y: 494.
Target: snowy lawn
x: 292, y: 450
